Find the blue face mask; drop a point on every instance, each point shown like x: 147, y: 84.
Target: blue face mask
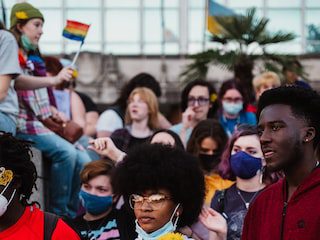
x: 167, y: 228
x: 232, y: 108
x: 27, y: 44
x: 245, y: 166
x: 93, y: 204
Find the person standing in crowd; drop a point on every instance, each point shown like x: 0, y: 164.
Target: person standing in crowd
x: 141, y: 119
x: 198, y: 102
x: 114, y: 117
x: 289, y: 132
x: 164, y: 186
x: 233, y: 107
x: 242, y: 162
x: 291, y: 76
x: 101, y: 219
x: 66, y: 161
x: 207, y: 142
x: 20, y: 219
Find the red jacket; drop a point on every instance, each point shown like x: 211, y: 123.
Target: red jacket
x: 269, y: 219
x: 31, y: 226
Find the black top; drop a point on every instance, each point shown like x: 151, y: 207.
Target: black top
x: 125, y: 141
x: 89, y: 105
x: 232, y: 206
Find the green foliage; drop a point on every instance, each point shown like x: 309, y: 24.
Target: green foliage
x: 248, y: 33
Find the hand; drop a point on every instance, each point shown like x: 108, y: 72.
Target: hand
x: 64, y: 75
x: 188, y: 117
x: 106, y: 147
x: 213, y: 221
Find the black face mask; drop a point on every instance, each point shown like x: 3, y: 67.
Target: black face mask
x: 209, y: 161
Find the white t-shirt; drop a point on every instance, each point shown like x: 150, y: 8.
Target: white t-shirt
x: 109, y: 121
x: 9, y: 64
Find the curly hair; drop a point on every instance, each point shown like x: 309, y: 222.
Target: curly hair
x: 304, y: 104
x: 157, y: 166
x: 16, y: 155
x: 212, y: 92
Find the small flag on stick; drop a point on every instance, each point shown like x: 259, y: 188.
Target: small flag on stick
x: 75, y: 30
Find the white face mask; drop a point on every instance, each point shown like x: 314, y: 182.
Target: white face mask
x: 168, y: 227
x: 4, y: 203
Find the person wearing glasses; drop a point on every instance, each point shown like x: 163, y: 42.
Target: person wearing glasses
x: 164, y: 187
x: 233, y: 106
x: 198, y: 102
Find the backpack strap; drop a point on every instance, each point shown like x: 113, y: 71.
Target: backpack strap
x: 50, y: 223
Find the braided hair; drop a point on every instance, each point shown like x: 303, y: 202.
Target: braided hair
x: 16, y: 155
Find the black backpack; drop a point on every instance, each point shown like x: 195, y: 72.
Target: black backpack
x: 50, y: 223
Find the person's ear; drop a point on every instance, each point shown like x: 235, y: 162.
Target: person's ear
x: 309, y: 134
x: 19, y: 27
x: 179, y: 211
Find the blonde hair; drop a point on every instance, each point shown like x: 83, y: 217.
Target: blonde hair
x: 151, y: 100
x: 264, y: 78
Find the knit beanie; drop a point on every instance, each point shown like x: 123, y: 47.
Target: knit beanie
x: 23, y: 11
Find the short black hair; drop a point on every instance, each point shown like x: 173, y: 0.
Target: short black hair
x: 211, y: 90
x: 16, y: 155
x: 157, y: 166
x: 304, y: 103
x: 177, y: 140
x: 139, y: 80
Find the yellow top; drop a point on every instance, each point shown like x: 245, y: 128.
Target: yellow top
x: 214, y: 182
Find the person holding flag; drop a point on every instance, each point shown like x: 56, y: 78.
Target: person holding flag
x: 66, y: 161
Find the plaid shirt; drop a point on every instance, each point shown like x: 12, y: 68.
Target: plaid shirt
x: 33, y: 104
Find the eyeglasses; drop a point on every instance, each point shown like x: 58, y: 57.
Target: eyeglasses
x: 236, y: 100
x: 200, y: 100
x: 156, y: 201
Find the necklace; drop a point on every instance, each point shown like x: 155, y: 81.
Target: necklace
x: 247, y: 204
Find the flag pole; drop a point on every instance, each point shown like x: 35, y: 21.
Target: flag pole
x: 76, y: 56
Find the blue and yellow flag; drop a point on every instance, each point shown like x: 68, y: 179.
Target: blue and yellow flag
x: 216, y: 10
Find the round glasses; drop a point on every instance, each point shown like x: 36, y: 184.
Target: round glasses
x: 156, y: 201
x: 200, y: 100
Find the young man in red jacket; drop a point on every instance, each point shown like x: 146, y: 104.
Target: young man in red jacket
x: 289, y: 128
x: 20, y: 219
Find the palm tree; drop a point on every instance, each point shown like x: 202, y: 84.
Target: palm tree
x: 248, y: 33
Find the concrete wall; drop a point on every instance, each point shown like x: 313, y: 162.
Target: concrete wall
x: 101, y: 77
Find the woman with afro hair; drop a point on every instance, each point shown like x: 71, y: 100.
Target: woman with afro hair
x: 164, y: 187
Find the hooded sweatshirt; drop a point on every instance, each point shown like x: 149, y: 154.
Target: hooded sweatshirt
x: 271, y: 216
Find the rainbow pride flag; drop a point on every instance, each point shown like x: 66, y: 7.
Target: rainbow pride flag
x: 75, y: 30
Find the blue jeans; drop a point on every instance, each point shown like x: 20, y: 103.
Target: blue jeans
x: 7, y: 124
x: 66, y: 164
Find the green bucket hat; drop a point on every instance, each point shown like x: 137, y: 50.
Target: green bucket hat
x: 23, y: 11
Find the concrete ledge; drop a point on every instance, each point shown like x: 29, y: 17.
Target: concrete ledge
x: 39, y: 195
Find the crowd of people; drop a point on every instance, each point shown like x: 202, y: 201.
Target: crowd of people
x: 232, y: 169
